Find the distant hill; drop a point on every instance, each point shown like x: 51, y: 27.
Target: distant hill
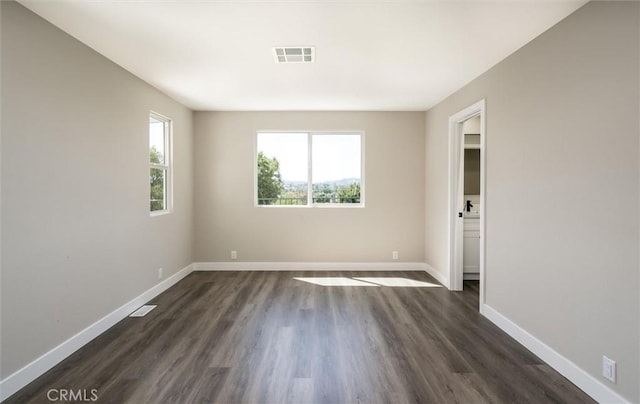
x: 340, y: 183
x: 294, y: 183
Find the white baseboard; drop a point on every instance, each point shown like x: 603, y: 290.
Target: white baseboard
x: 309, y: 266
x: 586, y: 382
x: 39, y: 366
x: 438, y: 275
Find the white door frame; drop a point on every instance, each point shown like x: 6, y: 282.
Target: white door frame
x: 456, y: 142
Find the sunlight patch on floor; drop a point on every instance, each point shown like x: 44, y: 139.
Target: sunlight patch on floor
x: 400, y: 282
x: 379, y: 281
x: 331, y: 281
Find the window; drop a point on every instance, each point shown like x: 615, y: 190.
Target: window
x: 309, y: 169
x: 159, y: 164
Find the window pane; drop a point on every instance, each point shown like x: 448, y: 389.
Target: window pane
x: 282, y: 168
x: 156, y: 141
x: 336, y: 168
x: 158, y: 182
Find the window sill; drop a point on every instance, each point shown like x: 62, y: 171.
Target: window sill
x: 159, y: 213
x: 328, y: 206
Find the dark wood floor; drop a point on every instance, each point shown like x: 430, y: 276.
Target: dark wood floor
x: 264, y: 337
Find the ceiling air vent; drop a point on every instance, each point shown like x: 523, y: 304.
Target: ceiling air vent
x: 294, y: 54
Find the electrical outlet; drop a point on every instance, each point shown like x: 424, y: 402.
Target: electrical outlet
x: 609, y: 369
x: 160, y: 273
x: 234, y: 255
x: 394, y: 255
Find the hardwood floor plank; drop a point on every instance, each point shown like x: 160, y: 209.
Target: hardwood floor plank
x: 209, y: 387
x: 265, y: 337
x: 301, y: 391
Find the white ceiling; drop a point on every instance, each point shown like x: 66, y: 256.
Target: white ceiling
x: 370, y: 55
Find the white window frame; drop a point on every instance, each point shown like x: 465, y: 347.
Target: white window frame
x: 167, y: 166
x: 310, y: 203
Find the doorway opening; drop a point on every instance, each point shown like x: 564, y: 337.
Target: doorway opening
x: 467, y: 207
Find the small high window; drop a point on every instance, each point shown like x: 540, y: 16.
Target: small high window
x: 309, y: 169
x: 159, y: 164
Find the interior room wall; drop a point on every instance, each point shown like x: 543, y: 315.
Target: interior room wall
x: 471, y: 126
x: 392, y: 219
x: 77, y: 238
x: 472, y: 172
x: 562, y: 230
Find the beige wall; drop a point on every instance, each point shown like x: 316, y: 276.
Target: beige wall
x: 562, y: 191
x: 77, y: 239
x: 393, y: 218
